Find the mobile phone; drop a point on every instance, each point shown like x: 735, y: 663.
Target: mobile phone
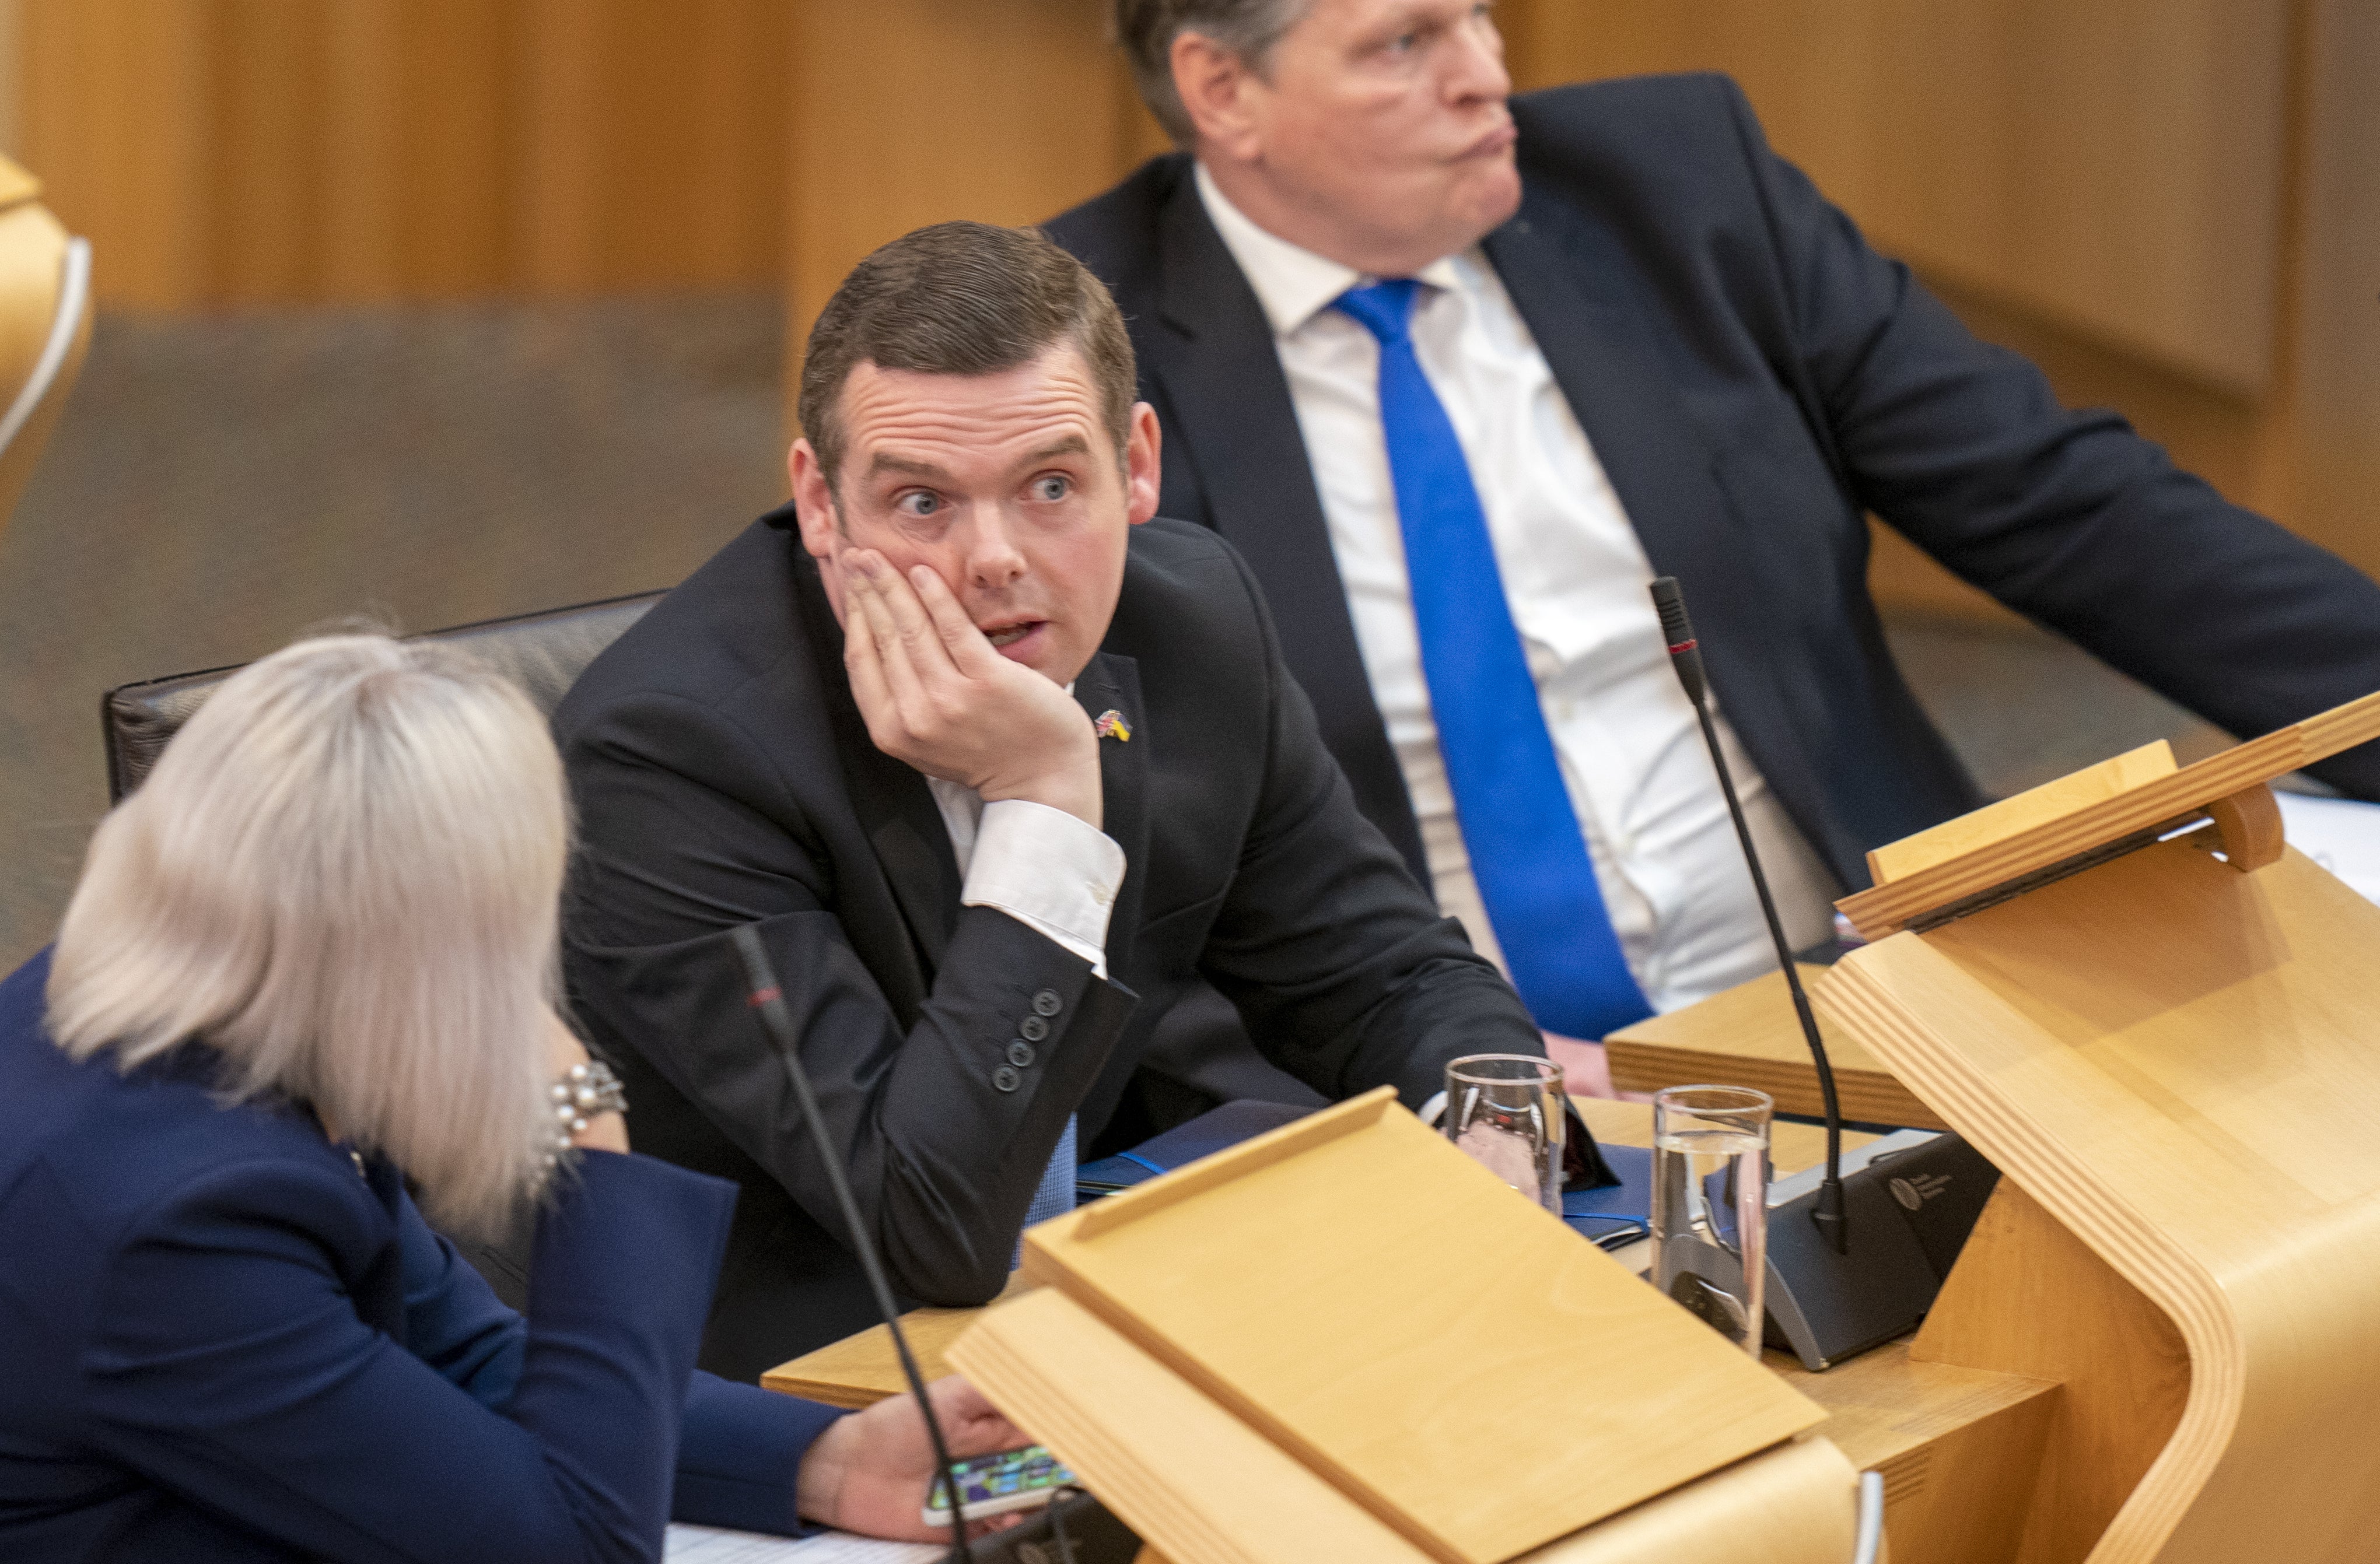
x: 988, y: 1484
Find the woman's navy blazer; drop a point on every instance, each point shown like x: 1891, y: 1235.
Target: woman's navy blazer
x: 223, y: 1337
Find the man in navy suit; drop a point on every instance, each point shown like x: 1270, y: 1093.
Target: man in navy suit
x: 1604, y: 332
x: 999, y: 765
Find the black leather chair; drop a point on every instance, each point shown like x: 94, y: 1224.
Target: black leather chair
x: 542, y: 652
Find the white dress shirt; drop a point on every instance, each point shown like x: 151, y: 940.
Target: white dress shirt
x: 1042, y: 867
x: 1632, y: 757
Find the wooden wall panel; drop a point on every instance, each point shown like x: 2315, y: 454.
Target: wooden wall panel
x: 115, y: 100
x: 654, y: 143
x: 2167, y: 206
x: 2167, y: 203
x: 2325, y: 466
x: 909, y: 112
x: 238, y: 151
x: 2114, y: 166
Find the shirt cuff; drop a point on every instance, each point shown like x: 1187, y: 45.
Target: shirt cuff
x: 1049, y: 870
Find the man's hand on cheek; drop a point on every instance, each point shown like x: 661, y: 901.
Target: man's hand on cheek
x: 936, y: 695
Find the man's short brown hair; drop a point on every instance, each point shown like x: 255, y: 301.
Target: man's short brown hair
x: 1247, y: 29
x: 963, y: 298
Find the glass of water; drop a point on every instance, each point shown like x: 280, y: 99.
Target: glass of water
x: 1710, y: 1205
x: 1504, y: 1110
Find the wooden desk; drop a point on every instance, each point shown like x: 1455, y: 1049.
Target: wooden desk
x: 1956, y: 1447
x: 1748, y: 1036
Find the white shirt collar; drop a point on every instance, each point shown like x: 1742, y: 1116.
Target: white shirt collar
x: 1293, y: 283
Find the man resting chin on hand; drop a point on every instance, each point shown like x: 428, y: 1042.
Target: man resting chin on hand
x: 1002, y: 770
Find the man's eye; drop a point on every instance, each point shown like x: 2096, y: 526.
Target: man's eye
x: 1052, y: 489
x: 919, y: 503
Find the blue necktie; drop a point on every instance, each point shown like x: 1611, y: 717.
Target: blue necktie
x: 1054, y: 1196
x: 1526, y: 851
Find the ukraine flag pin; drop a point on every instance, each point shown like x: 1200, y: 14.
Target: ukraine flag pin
x: 1113, y: 725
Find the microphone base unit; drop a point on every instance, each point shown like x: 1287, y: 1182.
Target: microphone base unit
x: 1913, y: 1203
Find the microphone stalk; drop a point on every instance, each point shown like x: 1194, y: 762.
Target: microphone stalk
x: 1686, y: 656
x: 769, y: 999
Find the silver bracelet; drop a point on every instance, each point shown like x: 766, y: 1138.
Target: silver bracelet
x: 582, y: 1093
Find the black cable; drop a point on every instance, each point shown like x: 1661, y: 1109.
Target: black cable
x: 770, y: 1001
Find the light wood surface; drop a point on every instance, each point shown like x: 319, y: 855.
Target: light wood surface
x: 1796, y: 1504
x: 2171, y: 1058
x: 1998, y: 822
x: 1182, y: 1469
x: 1315, y: 1130
x: 2035, y: 1299
x: 1750, y: 1037
x: 1220, y: 1493
x: 2250, y: 825
x: 862, y: 1369
x: 1957, y: 1445
x: 1440, y: 1325
x: 2162, y: 803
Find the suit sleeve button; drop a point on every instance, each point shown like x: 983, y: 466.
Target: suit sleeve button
x: 1047, y: 1002
x: 1020, y: 1052
x: 1006, y: 1079
x: 1033, y: 1028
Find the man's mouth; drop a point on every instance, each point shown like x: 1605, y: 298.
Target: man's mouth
x: 1011, y: 635
x: 1493, y: 143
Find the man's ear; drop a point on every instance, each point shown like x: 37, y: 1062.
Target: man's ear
x: 813, y: 500
x: 1143, y: 470
x: 1215, y: 88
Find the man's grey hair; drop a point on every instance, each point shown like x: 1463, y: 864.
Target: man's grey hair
x: 1245, y: 28
x: 343, y: 878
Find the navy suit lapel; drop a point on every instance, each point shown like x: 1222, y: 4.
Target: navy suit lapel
x: 1111, y: 683
x: 895, y: 808
x: 1213, y: 354
x: 1665, y: 471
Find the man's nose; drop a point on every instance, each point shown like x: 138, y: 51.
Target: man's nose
x: 1477, y: 70
x: 993, y: 560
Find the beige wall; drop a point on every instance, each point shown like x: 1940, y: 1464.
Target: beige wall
x: 2172, y: 204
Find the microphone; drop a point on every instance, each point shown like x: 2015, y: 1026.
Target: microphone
x: 1686, y: 656
x: 770, y: 1001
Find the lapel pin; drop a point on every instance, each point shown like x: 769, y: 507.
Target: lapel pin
x: 1113, y: 725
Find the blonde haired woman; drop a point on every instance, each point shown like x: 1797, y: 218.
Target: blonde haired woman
x: 309, y: 963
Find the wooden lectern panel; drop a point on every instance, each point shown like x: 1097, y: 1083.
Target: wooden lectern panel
x: 1796, y: 1504
x: 1182, y: 1470
x: 1998, y: 822
x: 2044, y: 849
x: 1434, y: 1346
x: 1218, y: 1492
x: 2177, y: 1061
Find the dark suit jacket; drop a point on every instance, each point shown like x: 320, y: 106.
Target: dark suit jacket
x: 1753, y: 378
x: 222, y: 1340
x: 722, y: 777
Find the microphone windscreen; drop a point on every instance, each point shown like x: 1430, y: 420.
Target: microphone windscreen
x: 1671, y: 603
